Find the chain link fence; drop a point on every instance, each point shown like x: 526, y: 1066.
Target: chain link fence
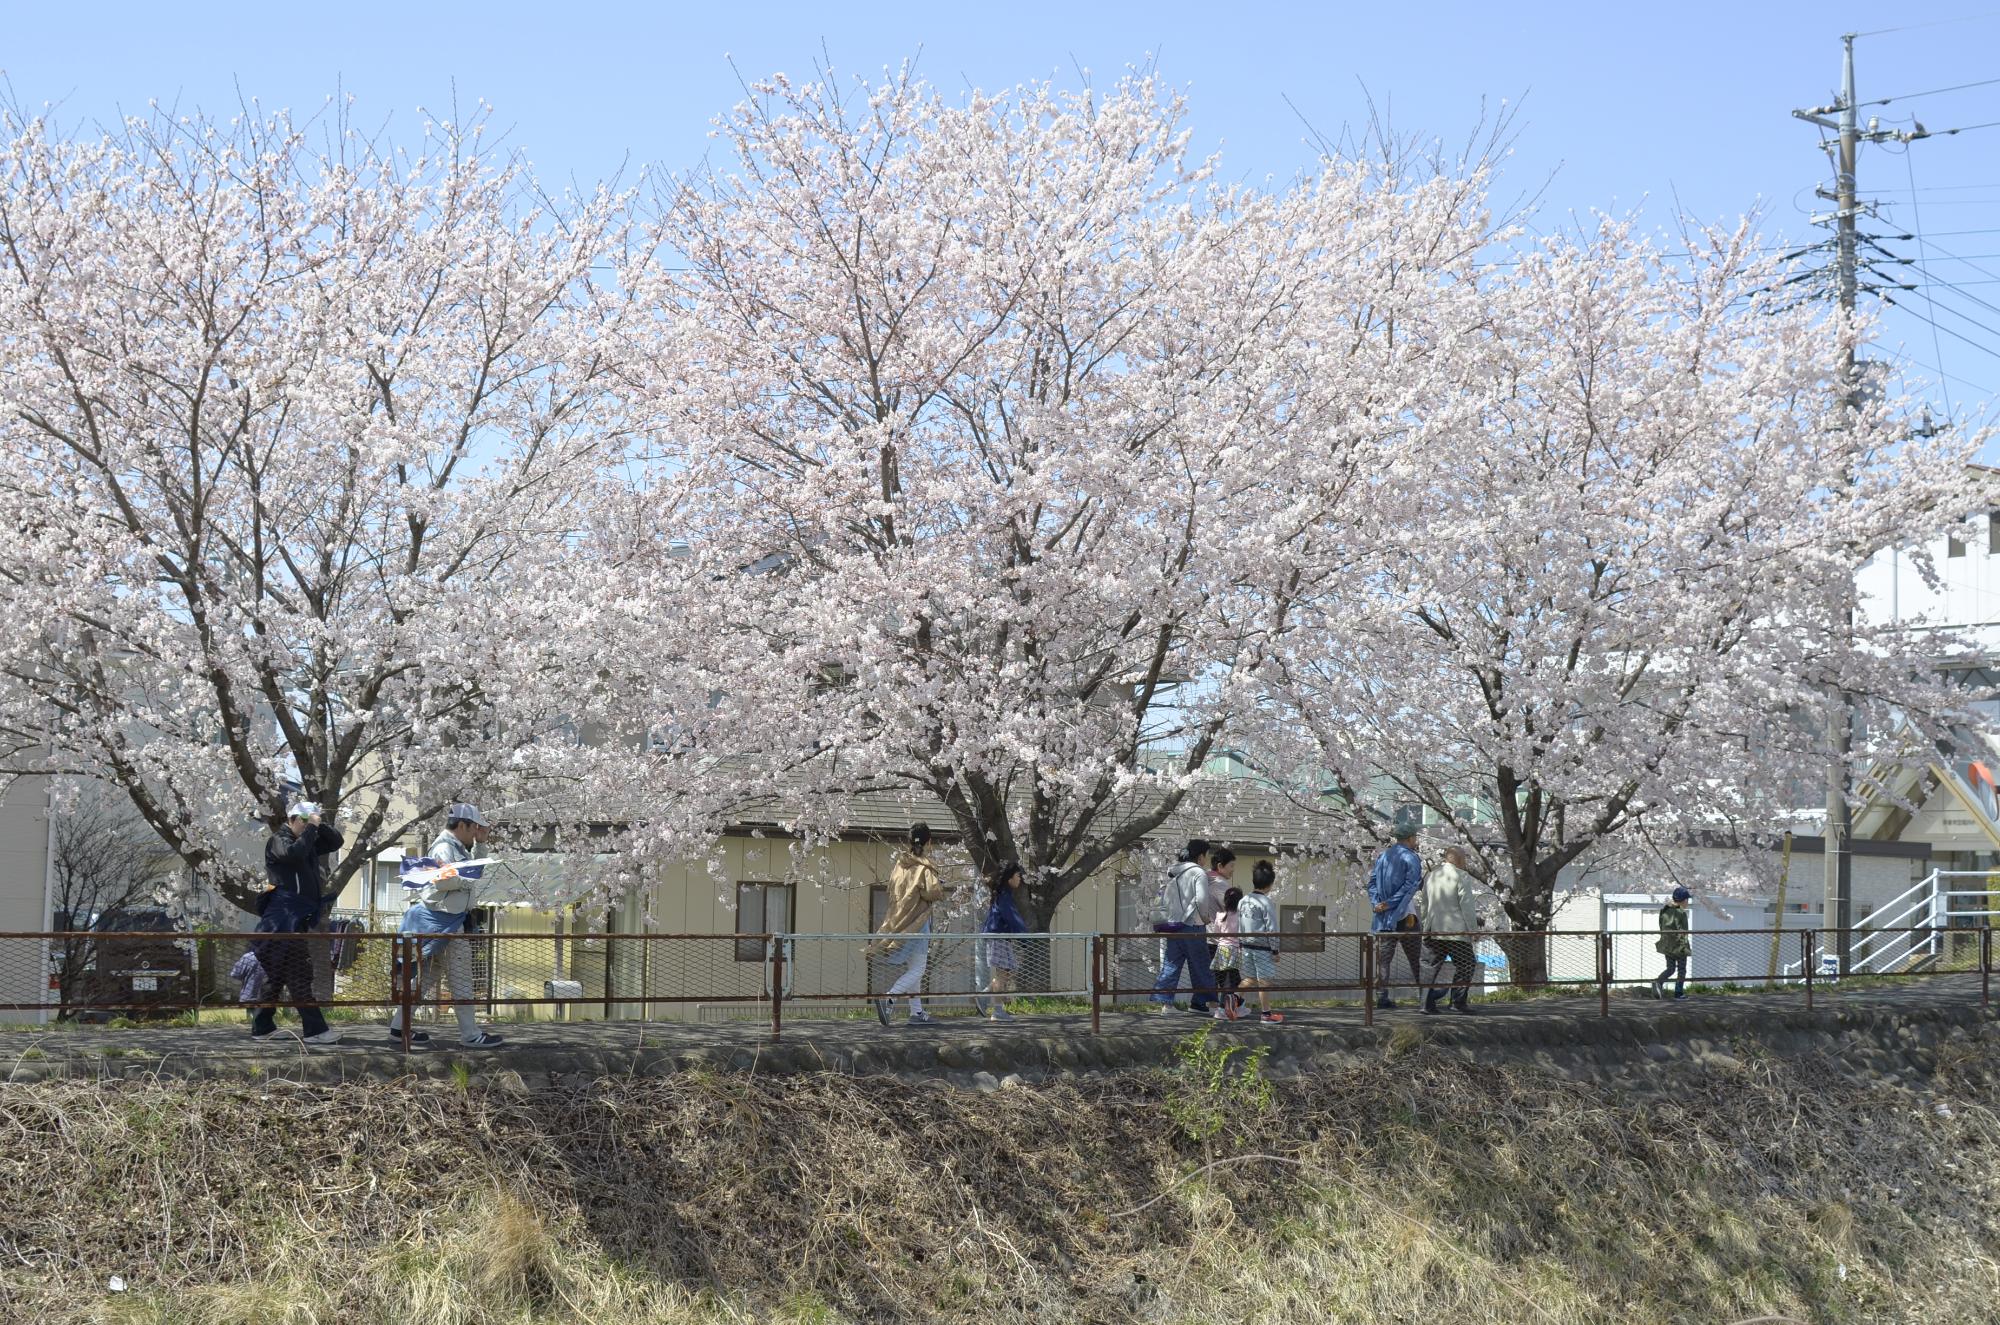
x: 165, y: 974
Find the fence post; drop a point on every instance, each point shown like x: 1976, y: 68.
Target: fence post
x: 1368, y: 979
x: 777, y: 985
x: 1603, y: 974
x: 1807, y: 945
x: 1097, y: 963
x: 1986, y: 965
x: 405, y: 949
x: 610, y: 926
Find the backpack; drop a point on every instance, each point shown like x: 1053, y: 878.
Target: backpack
x: 1157, y: 914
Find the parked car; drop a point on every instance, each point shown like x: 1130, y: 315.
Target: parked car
x: 143, y: 966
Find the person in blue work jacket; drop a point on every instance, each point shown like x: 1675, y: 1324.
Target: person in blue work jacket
x: 1394, y: 885
x: 292, y: 905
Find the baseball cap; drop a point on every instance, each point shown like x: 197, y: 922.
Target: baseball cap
x: 469, y: 813
x: 302, y: 810
x: 1682, y: 895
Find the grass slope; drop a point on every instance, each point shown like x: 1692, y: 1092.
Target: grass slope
x: 1411, y: 1189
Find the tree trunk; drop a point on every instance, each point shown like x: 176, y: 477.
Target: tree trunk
x: 1529, y: 902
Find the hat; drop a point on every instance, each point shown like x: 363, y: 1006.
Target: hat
x: 1409, y: 822
x: 469, y: 813
x: 1682, y: 895
x: 302, y: 810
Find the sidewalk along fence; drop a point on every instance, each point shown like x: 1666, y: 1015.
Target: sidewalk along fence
x: 842, y: 974
x: 765, y: 978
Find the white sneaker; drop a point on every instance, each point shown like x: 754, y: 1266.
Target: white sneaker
x: 325, y: 1037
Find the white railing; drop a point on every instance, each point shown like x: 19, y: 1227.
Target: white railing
x: 1912, y: 924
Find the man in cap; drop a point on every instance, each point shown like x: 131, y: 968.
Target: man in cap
x: 291, y: 905
x: 440, y: 907
x: 1393, y: 887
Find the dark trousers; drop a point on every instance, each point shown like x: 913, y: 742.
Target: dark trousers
x: 1186, y: 949
x: 1459, y: 953
x: 288, y: 966
x: 1406, y: 938
x: 1677, y: 971
x: 1227, y: 981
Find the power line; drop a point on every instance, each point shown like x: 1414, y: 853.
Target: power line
x: 1983, y: 349
x: 1911, y: 96
x: 1937, y: 348
x: 1934, y: 23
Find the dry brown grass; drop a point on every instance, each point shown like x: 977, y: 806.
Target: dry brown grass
x: 1403, y: 1190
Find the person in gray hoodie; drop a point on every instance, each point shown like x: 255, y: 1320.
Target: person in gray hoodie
x: 1181, y: 914
x: 440, y: 907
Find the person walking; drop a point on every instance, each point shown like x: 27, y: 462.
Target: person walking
x: 1226, y: 944
x: 1393, y: 885
x: 291, y: 905
x: 1181, y: 914
x: 1257, y: 923
x: 914, y: 888
x: 1003, y: 958
x: 442, y: 906
x: 1676, y: 944
x: 1450, y: 916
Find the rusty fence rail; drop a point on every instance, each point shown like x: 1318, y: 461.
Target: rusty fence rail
x: 767, y: 978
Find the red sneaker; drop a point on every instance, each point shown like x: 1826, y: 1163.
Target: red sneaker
x: 1274, y: 1016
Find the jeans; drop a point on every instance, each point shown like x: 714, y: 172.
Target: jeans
x: 1677, y: 971
x: 1186, y: 947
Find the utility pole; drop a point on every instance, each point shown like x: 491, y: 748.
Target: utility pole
x: 1837, y: 910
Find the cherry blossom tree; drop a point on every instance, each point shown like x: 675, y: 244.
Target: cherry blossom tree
x: 1622, y: 609
x: 1005, y: 439
x: 298, y: 433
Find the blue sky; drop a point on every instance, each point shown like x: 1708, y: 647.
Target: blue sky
x: 1683, y: 107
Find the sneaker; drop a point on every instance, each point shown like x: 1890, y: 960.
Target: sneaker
x: 1218, y: 1014
x: 1273, y: 1016
x: 919, y: 1019
x: 416, y: 1037
x: 1197, y: 1011
x: 486, y: 1040
x: 882, y: 1010
x: 324, y: 1038
x: 263, y: 1035
x: 1001, y: 1014
x: 1657, y: 991
x: 1167, y: 1009
x: 1680, y: 998
x: 1385, y: 1003
x: 1464, y: 1009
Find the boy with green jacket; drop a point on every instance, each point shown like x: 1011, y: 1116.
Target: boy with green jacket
x: 1676, y: 943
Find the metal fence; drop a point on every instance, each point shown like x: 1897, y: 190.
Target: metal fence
x: 768, y: 978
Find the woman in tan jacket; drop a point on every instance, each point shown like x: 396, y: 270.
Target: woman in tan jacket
x: 914, y: 888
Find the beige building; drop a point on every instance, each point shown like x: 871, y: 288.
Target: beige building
x: 674, y: 951
x: 24, y: 894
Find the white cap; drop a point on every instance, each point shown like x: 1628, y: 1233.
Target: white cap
x: 302, y: 810
x: 469, y: 813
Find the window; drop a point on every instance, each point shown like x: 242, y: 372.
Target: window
x: 1301, y: 929
x: 761, y: 908
x: 1993, y: 532
x: 1954, y: 548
